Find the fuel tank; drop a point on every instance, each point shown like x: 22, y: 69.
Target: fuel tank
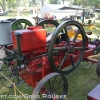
x: 33, y: 38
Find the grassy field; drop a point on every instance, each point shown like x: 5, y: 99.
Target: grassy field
x: 81, y: 81
x: 95, y: 30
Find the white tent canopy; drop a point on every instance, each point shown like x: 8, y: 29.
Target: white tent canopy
x: 49, y: 8
x: 54, y: 9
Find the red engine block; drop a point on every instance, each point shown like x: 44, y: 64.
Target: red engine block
x: 33, y: 42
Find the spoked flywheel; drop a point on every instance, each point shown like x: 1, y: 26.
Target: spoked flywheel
x: 67, y: 47
x: 50, y: 22
x: 49, y: 25
x: 11, y: 75
x: 54, y: 86
x: 20, y: 24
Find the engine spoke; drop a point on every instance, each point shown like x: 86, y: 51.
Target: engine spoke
x: 67, y: 37
x: 72, y: 60
x: 60, y: 48
x: 75, y: 37
x: 78, y: 48
x: 60, y: 87
x: 64, y: 59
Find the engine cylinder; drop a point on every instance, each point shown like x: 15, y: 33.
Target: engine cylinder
x: 5, y: 33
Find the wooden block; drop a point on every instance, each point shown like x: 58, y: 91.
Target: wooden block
x: 94, y: 94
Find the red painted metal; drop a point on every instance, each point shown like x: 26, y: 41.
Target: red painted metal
x: 94, y: 94
x: 38, y: 68
x: 33, y: 39
x: 43, y: 68
x: 33, y: 42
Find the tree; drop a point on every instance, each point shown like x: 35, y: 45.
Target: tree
x: 63, y: 1
x: 95, y: 3
x: 42, y: 2
x: 77, y: 2
x: 11, y: 4
x: 3, y: 5
x: 33, y: 3
x: 54, y: 1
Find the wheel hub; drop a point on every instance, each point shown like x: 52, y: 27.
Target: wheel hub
x: 71, y: 49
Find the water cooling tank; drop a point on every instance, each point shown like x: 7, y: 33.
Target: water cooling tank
x: 5, y: 32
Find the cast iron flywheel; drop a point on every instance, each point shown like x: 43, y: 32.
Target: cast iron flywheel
x: 20, y: 24
x: 53, y: 84
x: 49, y: 25
x: 58, y: 55
x: 43, y: 22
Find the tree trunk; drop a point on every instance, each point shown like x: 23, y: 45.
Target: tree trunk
x: 17, y: 7
x: 63, y: 1
x: 3, y: 5
x: 33, y: 7
x: 42, y: 2
x: 85, y: 3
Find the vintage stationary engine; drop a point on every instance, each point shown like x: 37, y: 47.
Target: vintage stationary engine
x: 30, y: 54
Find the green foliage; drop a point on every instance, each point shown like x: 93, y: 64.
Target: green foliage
x: 63, y: 1
x: 54, y: 2
x: 11, y: 3
x: 32, y: 2
x: 35, y: 2
x: 77, y: 2
x: 95, y: 3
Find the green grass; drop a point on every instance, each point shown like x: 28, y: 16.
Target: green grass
x: 14, y: 14
x: 95, y: 30
x: 81, y: 82
x: 10, y: 91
